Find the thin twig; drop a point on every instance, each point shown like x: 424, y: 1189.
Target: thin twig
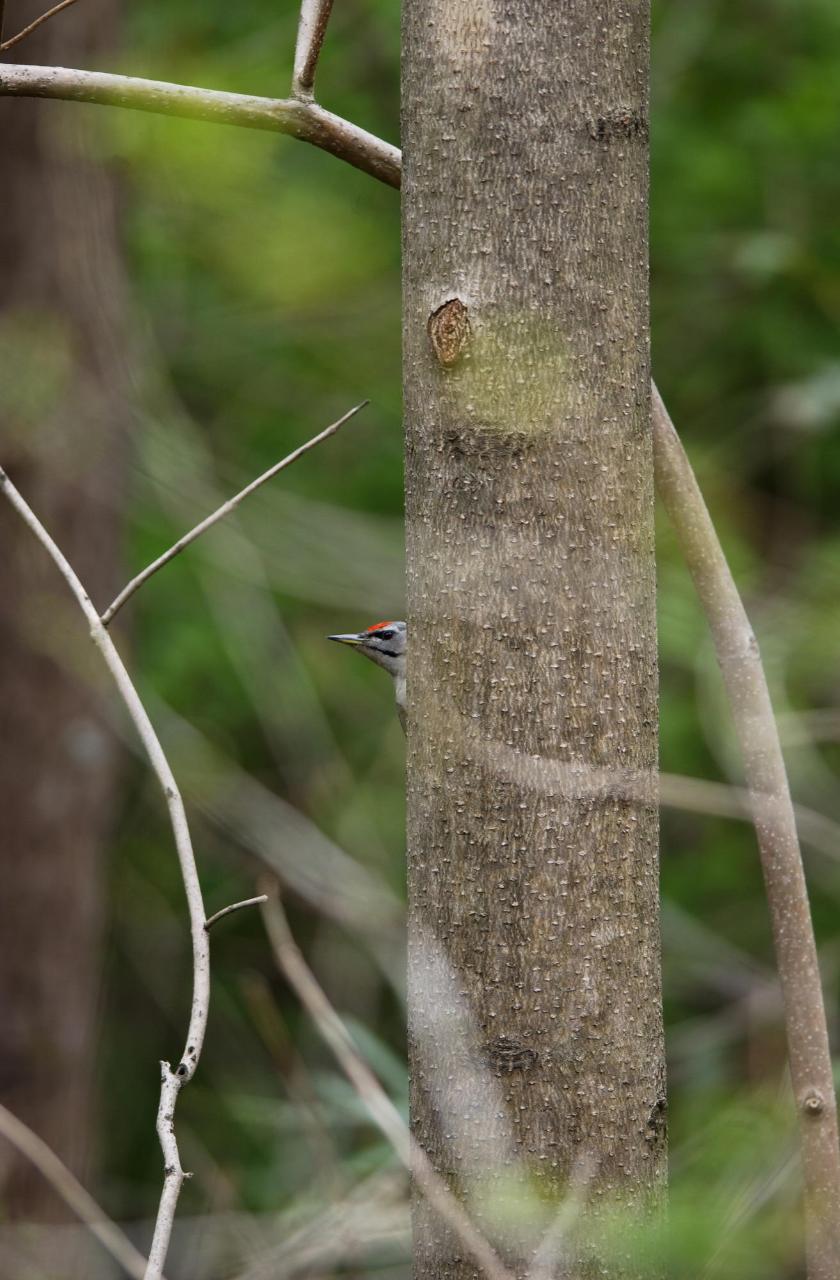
x: 382, y: 1111
x: 2, y: 16
x: 71, y: 1191
x: 234, y: 906
x: 312, y: 26
x: 172, y: 1081
x: 21, y: 35
x: 781, y: 860
x: 293, y: 116
x: 219, y: 514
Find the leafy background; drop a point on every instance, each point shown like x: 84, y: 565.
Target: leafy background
x: 265, y: 296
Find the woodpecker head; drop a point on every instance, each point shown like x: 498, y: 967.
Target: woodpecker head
x: 384, y: 644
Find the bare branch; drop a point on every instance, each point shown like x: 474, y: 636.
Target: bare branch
x: 219, y: 514
x: 781, y: 860
x: 382, y: 1111
x: 234, y: 906
x: 293, y: 116
x: 74, y: 1195
x: 21, y: 35
x: 172, y: 1081
x: 312, y: 26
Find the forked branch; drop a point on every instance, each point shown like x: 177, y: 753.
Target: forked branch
x: 172, y: 1081
x: 293, y: 116
x: 781, y: 860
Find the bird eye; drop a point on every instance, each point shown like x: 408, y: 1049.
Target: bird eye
x: 384, y: 635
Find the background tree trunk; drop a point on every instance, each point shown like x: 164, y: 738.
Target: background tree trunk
x: 533, y: 675
x: 62, y: 437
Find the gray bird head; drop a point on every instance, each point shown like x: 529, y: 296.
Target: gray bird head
x: 384, y: 644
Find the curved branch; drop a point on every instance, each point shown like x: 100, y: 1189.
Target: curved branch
x: 172, y: 1081
x: 234, y: 906
x: 298, y: 118
x: 781, y: 860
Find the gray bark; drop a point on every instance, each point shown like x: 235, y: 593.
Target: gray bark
x: 62, y: 439
x: 535, y: 1029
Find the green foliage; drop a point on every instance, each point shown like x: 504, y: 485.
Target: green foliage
x: 266, y: 283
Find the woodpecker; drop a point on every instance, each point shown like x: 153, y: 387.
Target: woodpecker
x: 384, y: 644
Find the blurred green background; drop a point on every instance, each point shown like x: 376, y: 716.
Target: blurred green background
x: 265, y: 301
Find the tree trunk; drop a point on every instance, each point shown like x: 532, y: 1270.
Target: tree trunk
x: 535, y: 1026
x: 62, y: 437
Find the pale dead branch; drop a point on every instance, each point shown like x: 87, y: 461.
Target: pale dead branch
x: 312, y: 26
x: 224, y: 510
x: 74, y: 1195
x: 388, y: 1120
x: 33, y: 26
x: 781, y: 860
x: 172, y: 1081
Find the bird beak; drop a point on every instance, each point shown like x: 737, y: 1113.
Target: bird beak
x: 349, y: 638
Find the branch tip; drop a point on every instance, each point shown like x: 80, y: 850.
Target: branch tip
x: 21, y: 35
x: 234, y: 906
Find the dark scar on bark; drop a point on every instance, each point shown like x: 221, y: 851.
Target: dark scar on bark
x: 619, y: 124
x: 657, y: 1121
x: 506, y: 1055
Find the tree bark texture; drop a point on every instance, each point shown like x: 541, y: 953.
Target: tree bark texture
x: 535, y: 1028
x: 63, y: 427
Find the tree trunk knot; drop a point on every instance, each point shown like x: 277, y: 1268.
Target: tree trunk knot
x: 622, y: 124
x: 449, y: 331
x: 813, y: 1103
x: 506, y: 1055
x: 657, y: 1122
